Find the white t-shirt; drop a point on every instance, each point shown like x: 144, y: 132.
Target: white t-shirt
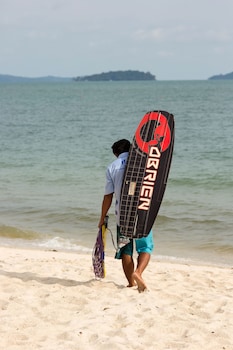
x: 114, y: 178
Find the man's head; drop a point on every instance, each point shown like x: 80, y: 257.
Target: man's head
x: 120, y: 146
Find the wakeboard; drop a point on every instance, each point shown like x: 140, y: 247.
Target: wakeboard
x: 146, y: 173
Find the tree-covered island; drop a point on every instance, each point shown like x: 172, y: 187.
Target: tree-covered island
x: 227, y: 76
x: 129, y: 75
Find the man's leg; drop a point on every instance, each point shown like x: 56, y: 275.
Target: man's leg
x: 143, y: 260
x: 144, y: 247
x: 128, y: 268
x: 126, y: 254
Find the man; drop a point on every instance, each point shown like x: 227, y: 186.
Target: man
x: 144, y: 246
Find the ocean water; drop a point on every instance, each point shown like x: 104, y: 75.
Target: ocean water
x: 55, y: 143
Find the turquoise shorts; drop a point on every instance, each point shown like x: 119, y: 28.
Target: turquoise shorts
x: 142, y: 245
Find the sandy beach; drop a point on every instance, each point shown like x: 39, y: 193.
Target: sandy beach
x: 51, y: 300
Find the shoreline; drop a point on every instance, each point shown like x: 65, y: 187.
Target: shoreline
x: 51, y: 300
x: 110, y: 252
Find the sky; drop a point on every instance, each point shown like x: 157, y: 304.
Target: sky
x: 171, y: 39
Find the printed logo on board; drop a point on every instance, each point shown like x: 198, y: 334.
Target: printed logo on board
x: 149, y: 180
x: 160, y: 137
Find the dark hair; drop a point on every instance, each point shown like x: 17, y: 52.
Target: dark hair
x: 121, y: 146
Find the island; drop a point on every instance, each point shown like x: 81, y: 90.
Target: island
x: 222, y: 76
x: 129, y: 75
x: 6, y: 78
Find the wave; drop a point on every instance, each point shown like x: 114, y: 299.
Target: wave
x: 223, y: 249
x: 188, y: 218
x: 63, y: 244
x: 207, y: 182
x: 17, y: 233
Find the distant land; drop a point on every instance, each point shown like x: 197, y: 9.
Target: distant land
x: 222, y: 76
x: 128, y: 75
x: 5, y: 78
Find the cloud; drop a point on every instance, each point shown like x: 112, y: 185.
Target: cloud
x: 221, y: 35
x: 169, y: 34
x: 156, y: 34
x: 165, y: 54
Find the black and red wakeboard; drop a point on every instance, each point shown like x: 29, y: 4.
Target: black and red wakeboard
x: 146, y: 173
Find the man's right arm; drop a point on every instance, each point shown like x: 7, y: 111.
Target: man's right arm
x: 106, y: 204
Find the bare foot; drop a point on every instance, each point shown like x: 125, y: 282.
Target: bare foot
x: 140, y: 282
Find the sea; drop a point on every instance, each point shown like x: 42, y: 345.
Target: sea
x: 55, y: 144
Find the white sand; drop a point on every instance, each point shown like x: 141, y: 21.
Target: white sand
x: 50, y: 300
